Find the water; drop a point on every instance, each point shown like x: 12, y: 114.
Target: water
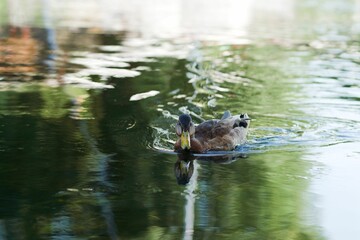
x: 88, y: 109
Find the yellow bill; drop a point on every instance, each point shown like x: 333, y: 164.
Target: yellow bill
x: 185, y: 140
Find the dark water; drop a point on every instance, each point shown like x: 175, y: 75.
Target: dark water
x: 87, y: 119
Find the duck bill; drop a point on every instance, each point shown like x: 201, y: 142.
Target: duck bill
x: 185, y: 140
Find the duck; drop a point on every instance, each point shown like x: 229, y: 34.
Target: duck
x: 212, y: 135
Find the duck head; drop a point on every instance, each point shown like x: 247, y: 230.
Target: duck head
x: 185, y: 129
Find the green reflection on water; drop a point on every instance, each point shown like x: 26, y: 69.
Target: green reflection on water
x: 81, y: 163
x: 96, y: 169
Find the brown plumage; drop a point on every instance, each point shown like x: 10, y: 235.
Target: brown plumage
x: 212, y: 135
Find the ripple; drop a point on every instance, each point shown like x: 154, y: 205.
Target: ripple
x: 325, y: 110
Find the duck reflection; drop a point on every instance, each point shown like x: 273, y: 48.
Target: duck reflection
x: 184, y: 166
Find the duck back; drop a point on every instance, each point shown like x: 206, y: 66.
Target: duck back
x: 224, y: 134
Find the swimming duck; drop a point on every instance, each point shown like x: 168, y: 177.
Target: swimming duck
x: 212, y: 135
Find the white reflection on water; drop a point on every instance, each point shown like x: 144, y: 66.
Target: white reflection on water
x: 139, y: 96
x: 219, y: 20
x: 189, y: 216
x: 336, y: 194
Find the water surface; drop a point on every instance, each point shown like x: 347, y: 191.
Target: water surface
x: 87, y: 116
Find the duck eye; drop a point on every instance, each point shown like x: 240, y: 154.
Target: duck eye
x: 192, y: 129
x: 178, y: 129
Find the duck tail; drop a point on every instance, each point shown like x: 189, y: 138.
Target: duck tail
x: 226, y: 115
